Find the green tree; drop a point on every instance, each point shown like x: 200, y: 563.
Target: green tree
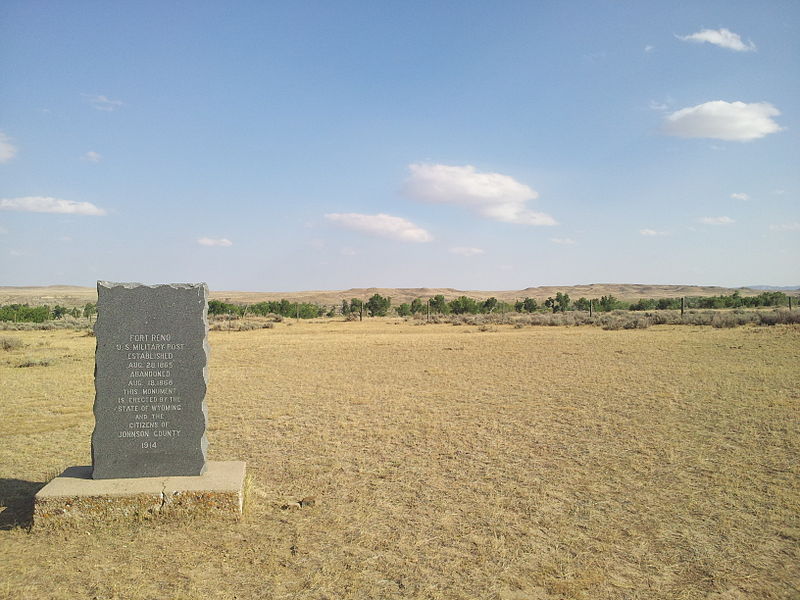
x: 608, y: 303
x: 286, y: 308
x: 89, y: 310
x: 357, y: 307
x: 417, y: 306
x: 529, y: 305
x: 378, y: 305
x: 439, y: 304
x: 562, y: 302
x: 503, y: 307
x: 306, y: 310
x: 668, y: 303
x: 345, y: 307
x: 463, y: 305
x: 404, y: 309
x: 489, y: 305
x: 259, y: 308
x: 643, y: 304
x: 216, y: 307
x: 581, y: 304
x: 23, y: 313
x: 772, y: 299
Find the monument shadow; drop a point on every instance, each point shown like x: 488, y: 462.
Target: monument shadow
x: 16, y: 502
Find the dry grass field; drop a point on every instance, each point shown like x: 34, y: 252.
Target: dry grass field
x: 448, y: 463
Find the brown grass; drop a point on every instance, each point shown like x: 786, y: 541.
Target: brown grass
x: 536, y: 463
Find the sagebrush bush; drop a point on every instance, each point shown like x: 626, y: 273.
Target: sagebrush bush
x: 10, y: 343
x: 63, y: 323
x: 665, y: 317
x: 725, y: 320
x: 42, y: 362
x: 780, y: 316
x: 622, y: 319
x: 240, y: 324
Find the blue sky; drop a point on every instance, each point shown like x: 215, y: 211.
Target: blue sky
x: 327, y: 145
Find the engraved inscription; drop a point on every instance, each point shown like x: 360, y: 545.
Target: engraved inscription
x: 149, y: 399
x: 150, y: 380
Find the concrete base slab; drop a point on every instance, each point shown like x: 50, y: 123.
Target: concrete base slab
x: 74, y: 497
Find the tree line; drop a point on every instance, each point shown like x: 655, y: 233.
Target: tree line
x: 21, y: 313
x: 734, y: 300
x: 563, y: 303
x: 380, y: 306
x: 300, y: 310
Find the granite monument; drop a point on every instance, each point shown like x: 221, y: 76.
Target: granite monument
x: 150, y: 380
x: 149, y: 443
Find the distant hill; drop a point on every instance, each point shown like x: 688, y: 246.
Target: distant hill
x: 68, y: 295
x: 775, y: 288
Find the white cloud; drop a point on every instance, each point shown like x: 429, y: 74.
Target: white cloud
x: 92, y: 156
x: 655, y: 105
x: 348, y: 251
x: 724, y: 38
x: 786, y: 227
x: 382, y: 225
x: 722, y: 120
x: 740, y: 196
x: 3, y: 230
x: 466, y: 251
x: 42, y: 204
x: 65, y: 238
x: 207, y: 241
x: 651, y: 232
x: 716, y: 220
x: 648, y: 49
x: 491, y: 195
x: 7, y: 149
x: 563, y: 241
x: 103, y: 103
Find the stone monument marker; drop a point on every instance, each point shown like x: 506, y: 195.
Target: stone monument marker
x: 149, y: 441
x: 150, y: 380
